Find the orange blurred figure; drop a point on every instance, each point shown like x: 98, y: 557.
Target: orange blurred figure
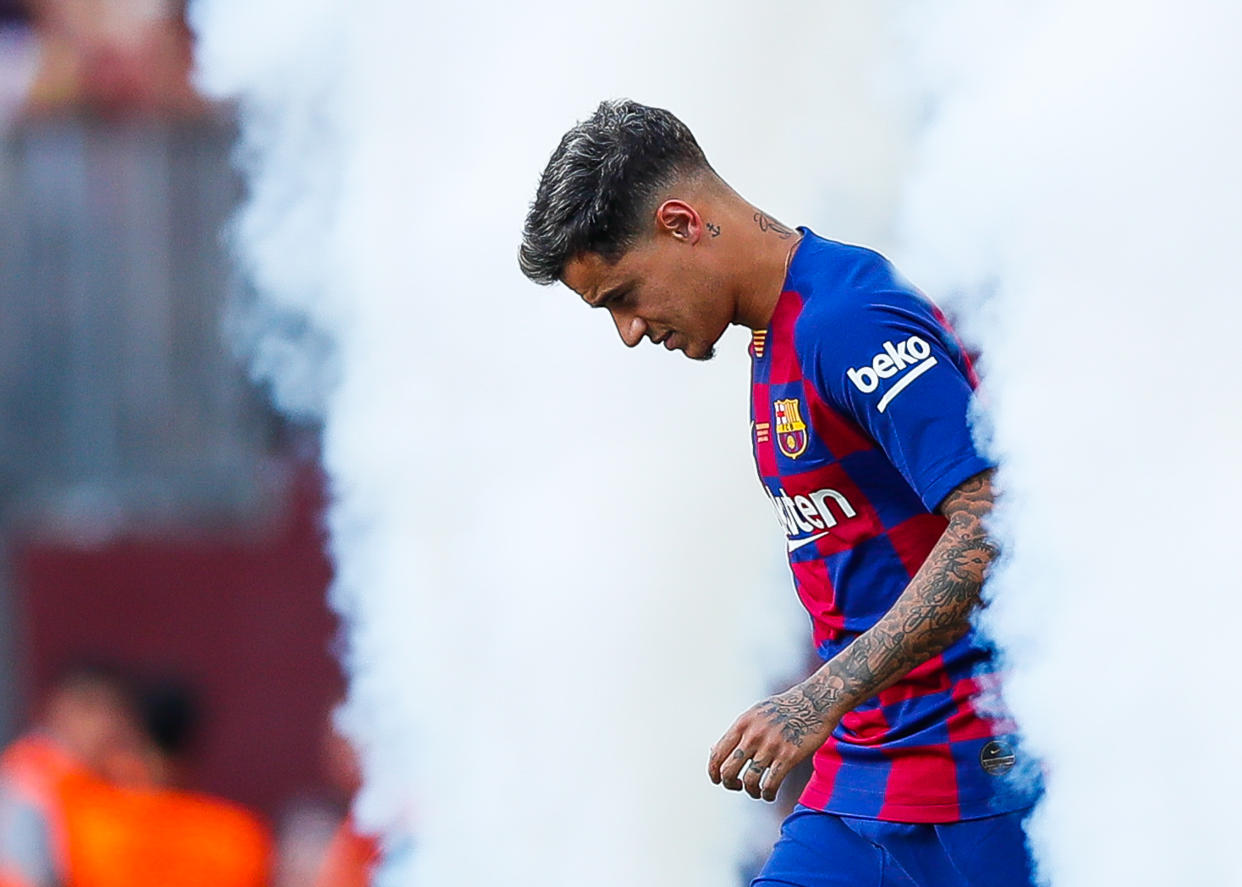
x: 133, y: 837
x: 141, y: 829
x: 87, y: 719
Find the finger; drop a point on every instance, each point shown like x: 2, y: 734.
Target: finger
x: 752, y: 777
x: 732, y: 767
x: 775, y: 776
x: 721, y: 750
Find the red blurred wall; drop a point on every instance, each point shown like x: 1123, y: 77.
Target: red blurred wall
x: 242, y: 615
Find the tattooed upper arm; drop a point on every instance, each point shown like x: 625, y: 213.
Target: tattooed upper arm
x: 967, y: 507
x: 972, y: 497
x: 965, y: 550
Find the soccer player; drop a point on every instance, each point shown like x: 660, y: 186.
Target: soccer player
x: 860, y: 404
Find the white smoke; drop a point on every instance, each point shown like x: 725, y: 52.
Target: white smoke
x: 1079, y: 186
x: 560, y: 580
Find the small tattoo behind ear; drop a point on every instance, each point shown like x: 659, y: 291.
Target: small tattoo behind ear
x: 714, y: 229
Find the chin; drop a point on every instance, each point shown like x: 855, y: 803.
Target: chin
x: 707, y: 354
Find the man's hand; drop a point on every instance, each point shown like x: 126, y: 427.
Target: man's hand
x: 773, y: 737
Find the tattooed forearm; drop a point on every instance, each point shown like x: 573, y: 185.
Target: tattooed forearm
x: 803, y: 709
x: 932, y: 613
x: 934, y: 610
x: 766, y: 223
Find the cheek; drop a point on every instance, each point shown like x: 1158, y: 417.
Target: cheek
x: 691, y: 303
x: 713, y: 310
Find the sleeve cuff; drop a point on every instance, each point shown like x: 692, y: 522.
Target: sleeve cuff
x: 947, y: 480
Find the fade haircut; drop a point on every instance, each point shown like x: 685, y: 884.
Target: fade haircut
x: 600, y: 183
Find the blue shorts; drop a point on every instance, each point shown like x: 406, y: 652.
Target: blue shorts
x: 826, y: 850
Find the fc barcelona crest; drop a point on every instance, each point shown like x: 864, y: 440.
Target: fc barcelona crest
x: 791, y: 434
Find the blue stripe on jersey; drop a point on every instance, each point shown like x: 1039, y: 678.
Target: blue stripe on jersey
x: 873, y: 475
x: 867, y: 579
x: 862, y: 783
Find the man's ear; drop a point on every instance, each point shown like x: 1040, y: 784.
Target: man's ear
x: 680, y: 220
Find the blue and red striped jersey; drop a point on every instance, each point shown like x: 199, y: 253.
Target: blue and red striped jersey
x: 860, y: 412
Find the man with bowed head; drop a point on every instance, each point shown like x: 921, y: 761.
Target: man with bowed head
x: 859, y: 422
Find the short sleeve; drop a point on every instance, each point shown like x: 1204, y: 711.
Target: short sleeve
x: 886, y: 359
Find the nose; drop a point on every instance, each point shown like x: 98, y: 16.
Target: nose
x: 631, y: 327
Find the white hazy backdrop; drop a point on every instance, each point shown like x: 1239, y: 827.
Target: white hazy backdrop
x: 1078, y: 187
x: 560, y: 580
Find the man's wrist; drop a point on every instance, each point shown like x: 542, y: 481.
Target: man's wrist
x: 827, y: 694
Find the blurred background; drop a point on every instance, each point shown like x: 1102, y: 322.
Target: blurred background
x: 163, y: 576
x: 556, y: 580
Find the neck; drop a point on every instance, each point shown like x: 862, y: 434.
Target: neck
x: 756, y: 249
x: 765, y: 249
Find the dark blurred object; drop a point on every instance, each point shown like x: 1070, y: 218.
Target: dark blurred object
x: 13, y: 12
x: 171, y: 713
x: 19, y: 58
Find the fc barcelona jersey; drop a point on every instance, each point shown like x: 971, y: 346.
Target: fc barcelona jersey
x: 861, y: 396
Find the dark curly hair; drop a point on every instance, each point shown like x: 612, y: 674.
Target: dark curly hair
x: 600, y: 182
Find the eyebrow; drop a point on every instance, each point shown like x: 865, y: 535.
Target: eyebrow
x: 612, y: 293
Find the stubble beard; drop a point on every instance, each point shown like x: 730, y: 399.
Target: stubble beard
x: 706, y: 355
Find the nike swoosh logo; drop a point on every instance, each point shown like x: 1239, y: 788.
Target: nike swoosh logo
x: 795, y: 544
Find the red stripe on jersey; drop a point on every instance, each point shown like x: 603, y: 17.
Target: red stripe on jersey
x: 815, y: 590
x: 784, y: 366
x: 827, y: 762
x: 965, y: 722
x: 914, y: 539
x: 867, y: 727
x: 923, y: 680
x: 934, y: 771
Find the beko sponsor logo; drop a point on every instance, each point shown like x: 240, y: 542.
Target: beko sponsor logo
x: 908, y: 359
